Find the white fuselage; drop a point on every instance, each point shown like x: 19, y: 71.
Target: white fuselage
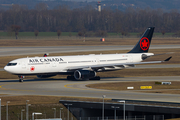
x: 65, y: 64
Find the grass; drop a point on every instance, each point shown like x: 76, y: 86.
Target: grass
x: 142, y: 72
x: 26, y: 34
x: 137, y: 34
x: 69, y: 41
x: 123, y: 85
x: 72, y: 33
x: 119, y: 86
x: 174, y: 119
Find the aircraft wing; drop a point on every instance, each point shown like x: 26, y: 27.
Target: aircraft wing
x: 123, y: 65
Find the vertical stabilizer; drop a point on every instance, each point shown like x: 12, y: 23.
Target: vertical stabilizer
x: 144, y: 43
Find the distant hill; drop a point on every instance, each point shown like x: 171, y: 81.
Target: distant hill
x: 166, y: 5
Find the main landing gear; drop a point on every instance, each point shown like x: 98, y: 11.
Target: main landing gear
x: 21, y: 78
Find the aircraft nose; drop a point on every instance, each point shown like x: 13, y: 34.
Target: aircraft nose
x: 6, y: 68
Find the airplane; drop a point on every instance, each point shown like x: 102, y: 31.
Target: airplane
x: 83, y: 67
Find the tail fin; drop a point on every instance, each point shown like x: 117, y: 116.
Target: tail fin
x: 144, y: 43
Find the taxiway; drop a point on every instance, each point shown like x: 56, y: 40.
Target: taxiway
x: 60, y: 87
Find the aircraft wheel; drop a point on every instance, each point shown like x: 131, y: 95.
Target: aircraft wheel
x: 21, y: 78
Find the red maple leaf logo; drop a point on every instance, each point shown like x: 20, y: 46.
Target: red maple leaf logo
x: 32, y: 68
x: 144, y: 43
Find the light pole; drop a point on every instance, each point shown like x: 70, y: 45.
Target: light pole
x: 54, y: 112
x: 27, y: 114
x: 114, y: 111
x: 103, y: 96
x: 22, y: 114
x: 68, y: 110
x: 34, y: 113
x: 123, y: 101
x: 0, y: 109
x: 60, y: 112
x: 7, y: 109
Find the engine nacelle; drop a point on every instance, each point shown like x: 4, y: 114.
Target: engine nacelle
x: 84, y: 74
x: 45, y: 76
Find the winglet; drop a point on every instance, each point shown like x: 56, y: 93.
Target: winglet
x: 167, y: 59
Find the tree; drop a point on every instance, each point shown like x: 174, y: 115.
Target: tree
x: 140, y: 34
x: 41, y: 6
x: 86, y: 19
x: 122, y: 33
x: 58, y: 33
x: 15, y: 28
x: 117, y: 29
x: 70, y: 34
x: 177, y: 34
x: 163, y: 32
x: 101, y: 33
x: 36, y: 32
x: 80, y: 34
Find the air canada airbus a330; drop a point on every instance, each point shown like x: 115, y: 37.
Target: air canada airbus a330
x: 83, y: 67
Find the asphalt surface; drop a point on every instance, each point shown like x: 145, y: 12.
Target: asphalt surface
x: 60, y: 87
x: 13, y: 51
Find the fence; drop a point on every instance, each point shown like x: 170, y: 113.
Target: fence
x: 145, y: 117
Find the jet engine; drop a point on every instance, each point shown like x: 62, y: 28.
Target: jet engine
x: 84, y: 74
x: 45, y: 76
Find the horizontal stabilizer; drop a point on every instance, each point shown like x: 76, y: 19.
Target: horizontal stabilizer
x: 167, y: 59
x: 164, y: 53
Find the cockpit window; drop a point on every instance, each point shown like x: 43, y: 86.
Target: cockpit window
x: 11, y: 64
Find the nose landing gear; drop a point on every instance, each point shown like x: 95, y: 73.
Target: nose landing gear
x: 21, y: 77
